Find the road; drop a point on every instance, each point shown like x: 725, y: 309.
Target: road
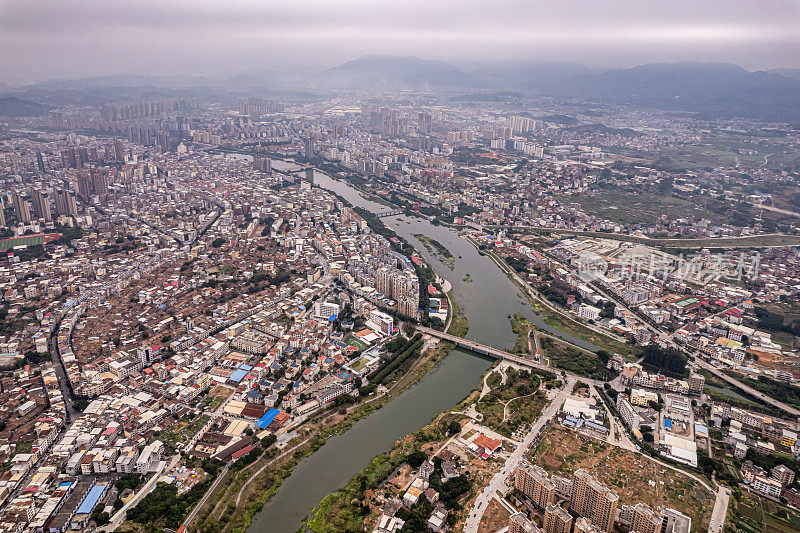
x: 720, y: 510
x: 58, y: 366
x: 207, y: 495
x: 499, y: 479
x: 749, y: 390
x: 119, y: 516
x: 501, y: 354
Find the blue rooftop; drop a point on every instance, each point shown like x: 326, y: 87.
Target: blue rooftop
x: 89, y: 503
x: 238, y: 375
x: 267, y: 419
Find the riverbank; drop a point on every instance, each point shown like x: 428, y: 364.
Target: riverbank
x: 237, y: 499
x: 446, y: 439
x: 486, y: 302
x: 555, y: 317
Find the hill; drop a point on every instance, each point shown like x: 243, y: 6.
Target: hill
x: 714, y: 90
x: 13, y: 107
x: 394, y: 71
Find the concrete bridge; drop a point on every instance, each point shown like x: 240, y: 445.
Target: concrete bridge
x: 494, y: 352
x: 390, y: 213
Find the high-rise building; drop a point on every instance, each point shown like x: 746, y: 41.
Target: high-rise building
x: 673, y: 521
x: 519, y: 523
x: 66, y: 203
x: 593, y: 500
x: 41, y: 204
x: 119, y: 153
x: 2, y: 215
x: 262, y: 164
x: 522, y: 124
x: 83, y: 156
x: 557, y: 519
x: 68, y: 159
x: 99, y: 182
x: 163, y: 140
x: 84, y: 188
x: 645, y: 520
x: 22, y: 208
x: 308, y: 143
x: 534, y: 482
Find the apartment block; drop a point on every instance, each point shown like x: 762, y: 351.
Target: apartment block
x: 593, y: 500
x: 534, y: 482
x: 557, y: 520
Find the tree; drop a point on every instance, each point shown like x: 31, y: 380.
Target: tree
x: 219, y: 241
x: 453, y: 427
x: 99, y: 516
x: 416, y: 458
x: 669, y: 360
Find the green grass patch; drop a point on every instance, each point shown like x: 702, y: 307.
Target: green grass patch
x: 357, y: 343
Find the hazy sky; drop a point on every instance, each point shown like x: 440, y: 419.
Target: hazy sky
x: 42, y: 39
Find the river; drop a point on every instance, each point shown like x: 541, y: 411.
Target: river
x: 487, y: 302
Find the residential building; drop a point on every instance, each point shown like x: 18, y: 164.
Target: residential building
x: 518, y: 523
x: 593, y: 500
x: 534, y: 482
x: 766, y: 486
x: 557, y: 520
x: 783, y: 474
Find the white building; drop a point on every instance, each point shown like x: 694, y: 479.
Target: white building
x: 767, y: 487
x: 588, y: 312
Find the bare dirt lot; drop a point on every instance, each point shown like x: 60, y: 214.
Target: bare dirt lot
x: 633, y: 477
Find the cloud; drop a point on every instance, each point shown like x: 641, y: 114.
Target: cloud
x: 48, y: 38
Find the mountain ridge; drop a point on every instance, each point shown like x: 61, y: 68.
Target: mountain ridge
x: 712, y: 90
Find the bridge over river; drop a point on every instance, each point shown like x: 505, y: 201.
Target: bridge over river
x: 502, y: 354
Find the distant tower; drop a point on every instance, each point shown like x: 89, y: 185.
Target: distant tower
x: 22, y: 208
x: 83, y: 185
x: 41, y: 204
x: 119, y: 153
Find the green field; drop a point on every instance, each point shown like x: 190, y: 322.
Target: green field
x: 32, y: 240
x: 632, y: 208
x: 722, y: 149
x: 359, y: 365
x: 749, y: 513
x: 356, y: 342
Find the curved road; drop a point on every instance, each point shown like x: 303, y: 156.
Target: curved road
x: 749, y: 390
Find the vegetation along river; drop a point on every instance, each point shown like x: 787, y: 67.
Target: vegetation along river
x: 486, y: 301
